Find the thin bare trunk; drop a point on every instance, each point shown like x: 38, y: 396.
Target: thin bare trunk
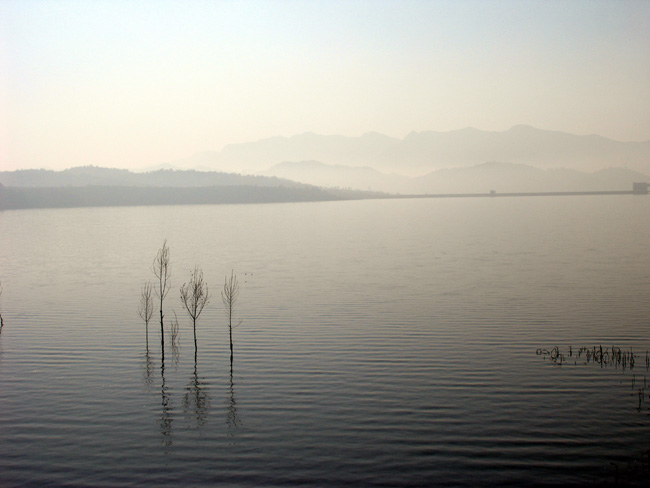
x: 2, y: 322
x: 229, y: 298
x: 161, y: 268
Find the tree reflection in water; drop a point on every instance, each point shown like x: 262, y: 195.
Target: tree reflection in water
x: 232, y: 420
x: 174, y: 340
x: 147, y: 366
x: 166, y: 418
x: 196, y: 401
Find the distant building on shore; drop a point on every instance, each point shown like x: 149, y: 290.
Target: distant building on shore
x: 640, y: 188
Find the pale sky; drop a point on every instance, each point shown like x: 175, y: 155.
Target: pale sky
x: 132, y: 84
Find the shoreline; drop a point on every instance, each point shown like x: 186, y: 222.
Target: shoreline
x: 24, y: 198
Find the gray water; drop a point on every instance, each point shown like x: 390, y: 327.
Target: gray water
x: 382, y: 343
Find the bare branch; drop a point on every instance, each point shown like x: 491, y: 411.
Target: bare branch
x: 229, y: 294
x: 162, y: 269
x: 146, y: 303
x: 229, y: 297
x: 195, y: 296
x: 145, y: 308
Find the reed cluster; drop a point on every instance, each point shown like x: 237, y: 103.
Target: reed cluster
x: 599, y: 355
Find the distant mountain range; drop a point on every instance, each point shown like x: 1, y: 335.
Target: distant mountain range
x: 480, y: 178
x: 339, y: 176
x: 522, y: 159
x: 91, y: 186
x: 420, y: 153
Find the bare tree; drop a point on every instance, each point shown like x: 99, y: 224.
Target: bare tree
x: 2, y: 322
x: 229, y: 298
x: 161, y: 268
x: 146, y: 307
x: 195, y: 296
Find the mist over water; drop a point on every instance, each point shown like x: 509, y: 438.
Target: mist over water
x: 382, y: 343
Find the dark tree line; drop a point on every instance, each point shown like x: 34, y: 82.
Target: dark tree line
x: 96, y: 176
x: 119, y: 196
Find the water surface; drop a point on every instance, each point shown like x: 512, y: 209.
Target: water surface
x: 382, y: 343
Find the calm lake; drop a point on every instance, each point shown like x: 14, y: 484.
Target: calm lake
x: 381, y: 343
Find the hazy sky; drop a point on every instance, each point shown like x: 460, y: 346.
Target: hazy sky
x: 131, y: 84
